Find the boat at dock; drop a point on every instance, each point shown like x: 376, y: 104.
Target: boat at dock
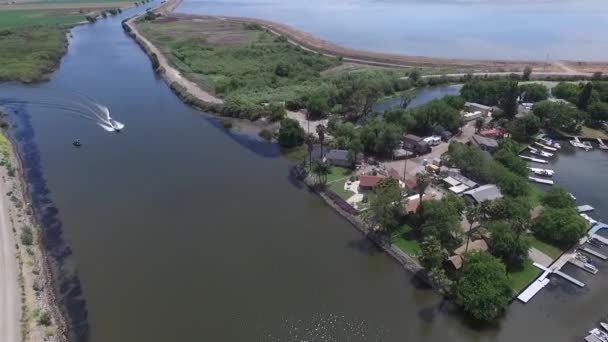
x: 589, y: 219
x: 541, y: 180
x: 604, y: 325
x: 536, y: 160
x: 541, y: 172
x: 548, y: 148
x: 602, y: 145
x: 584, y: 145
x: 539, y: 152
x: 551, y: 143
x: 602, y: 336
x: 590, y: 267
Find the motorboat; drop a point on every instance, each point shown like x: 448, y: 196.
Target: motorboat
x: 550, y: 142
x: 572, y: 196
x: 541, y: 172
x: 540, y: 153
x: 584, y: 145
x: 77, y: 143
x: 590, y: 267
x: 582, y: 257
x: 602, y: 336
x: 604, y: 325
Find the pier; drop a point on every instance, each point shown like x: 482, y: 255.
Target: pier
x: 536, y: 160
x: 540, y: 180
x: 543, y: 279
x: 594, y: 253
x: 602, y: 145
x: 580, y: 264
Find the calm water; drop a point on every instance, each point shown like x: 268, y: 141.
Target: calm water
x: 181, y: 231
x: 509, y: 29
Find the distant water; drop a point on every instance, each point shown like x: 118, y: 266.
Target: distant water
x: 507, y: 29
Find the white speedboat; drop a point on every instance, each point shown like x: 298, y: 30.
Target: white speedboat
x: 590, y: 267
x: 584, y: 145
x: 550, y: 142
x: 539, y: 152
x: 541, y: 172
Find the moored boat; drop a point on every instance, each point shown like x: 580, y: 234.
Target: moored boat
x: 550, y: 142
x: 604, y: 325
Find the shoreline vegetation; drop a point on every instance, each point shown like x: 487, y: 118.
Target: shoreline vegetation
x: 40, y: 316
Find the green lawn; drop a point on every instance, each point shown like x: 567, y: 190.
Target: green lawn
x: 544, y: 247
x: 519, y: 279
x: 337, y: 172
x: 21, y: 18
x: 338, y: 188
x: 410, y: 247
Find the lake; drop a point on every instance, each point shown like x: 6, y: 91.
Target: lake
x: 178, y: 230
x: 478, y: 29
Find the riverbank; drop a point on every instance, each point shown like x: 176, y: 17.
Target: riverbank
x: 36, y: 316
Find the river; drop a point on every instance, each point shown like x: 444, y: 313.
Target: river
x: 479, y: 29
x: 180, y: 231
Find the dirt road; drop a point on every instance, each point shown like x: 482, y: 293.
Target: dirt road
x: 9, y: 287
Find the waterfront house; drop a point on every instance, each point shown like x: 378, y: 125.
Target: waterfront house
x: 473, y: 107
x: 416, y: 144
x: 455, y: 261
x: 484, y: 143
x: 367, y: 183
x: 488, y: 192
x: 338, y: 158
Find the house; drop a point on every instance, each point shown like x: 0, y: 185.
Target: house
x: 488, y: 192
x: 338, y: 158
x: 415, y: 144
x: 495, y: 133
x: 472, y: 107
x: 367, y: 183
x: 484, y: 143
x: 456, y: 260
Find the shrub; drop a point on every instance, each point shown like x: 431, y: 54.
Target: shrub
x: 265, y: 134
x: 27, y: 237
x: 290, y: 133
x: 44, y: 319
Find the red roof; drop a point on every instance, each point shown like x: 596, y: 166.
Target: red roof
x: 369, y: 181
x: 492, y: 132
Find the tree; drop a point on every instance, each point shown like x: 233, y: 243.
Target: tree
x: 354, y: 149
x: 317, y: 103
x: 598, y: 111
x: 527, y: 72
x: 380, y: 138
x: 522, y: 129
x: 414, y: 75
x: 321, y: 170
x: 441, y: 219
x: 584, y: 98
x: 385, y: 202
x: 290, y: 133
x: 478, y: 124
x: 567, y: 91
x: 558, y: 197
x: 277, y: 111
x: 432, y: 254
x: 562, y: 226
x: 321, y: 134
x: 472, y: 215
x: 508, y: 102
x: 597, y: 76
x: 512, y: 162
x: 534, y: 92
x: 483, y: 291
x: 422, y: 183
x: 282, y: 70
x: 509, y: 209
x: 554, y: 115
x: 507, y: 245
x: 436, y: 113
x: 310, y: 141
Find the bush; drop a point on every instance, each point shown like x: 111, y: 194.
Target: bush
x: 562, y: 226
x: 27, y: 237
x: 290, y: 133
x: 265, y: 134
x: 44, y: 319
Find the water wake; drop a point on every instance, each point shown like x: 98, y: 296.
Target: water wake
x: 65, y: 101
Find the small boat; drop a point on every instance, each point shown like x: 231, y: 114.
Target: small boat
x: 584, y: 145
x: 550, y: 142
x: 541, y: 180
x: 541, y: 172
x: 589, y: 219
x: 602, y: 336
x: 77, y: 143
x: 590, y: 267
x: 571, y: 196
x: 539, y: 152
x: 604, y: 325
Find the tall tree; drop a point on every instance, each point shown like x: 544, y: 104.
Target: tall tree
x: 558, y: 197
x: 422, y: 183
x: 385, y: 202
x: 432, y: 254
x: 472, y: 215
x: 478, y: 124
x: 508, y: 245
x: 509, y: 100
x: 584, y: 98
x: 321, y: 170
x: 527, y: 72
x: 310, y: 141
x: 482, y: 291
x: 321, y: 133
x: 290, y: 133
x: 562, y: 226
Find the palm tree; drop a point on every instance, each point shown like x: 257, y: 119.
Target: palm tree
x: 321, y: 134
x: 321, y: 169
x: 310, y: 140
x: 422, y: 182
x: 472, y: 215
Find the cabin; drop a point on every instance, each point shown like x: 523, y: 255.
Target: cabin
x: 484, y: 143
x: 338, y: 158
x: 416, y: 144
x: 488, y: 192
x: 473, y: 107
x: 455, y: 261
x: 368, y: 183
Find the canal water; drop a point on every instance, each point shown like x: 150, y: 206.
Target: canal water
x: 509, y: 29
x: 177, y: 230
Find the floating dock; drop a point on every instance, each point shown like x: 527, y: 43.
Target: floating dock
x: 536, y: 160
x: 584, y: 208
x: 540, y: 180
x: 594, y: 253
x: 548, y: 148
x: 543, y: 279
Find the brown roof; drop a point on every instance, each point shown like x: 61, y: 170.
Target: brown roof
x: 474, y: 246
x: 412, y: 205
x: 456, y: 261
x: 369, y: 181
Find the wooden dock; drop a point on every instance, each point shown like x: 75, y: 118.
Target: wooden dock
x: 540, y: 180
x: 594, y: 253
x: 536, y: 160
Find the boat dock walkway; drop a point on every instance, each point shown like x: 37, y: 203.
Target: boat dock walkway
x: 543, y: 279
x: 584, y: 208
x: 580, y: 264
x: 599, y: 238
x: 536, y: 160
x: 549, y: 148
x: 540, y: 180
x: 594, y: 253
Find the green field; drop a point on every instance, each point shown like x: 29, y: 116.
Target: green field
x: 519, y: 279
x: 22, y: 18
